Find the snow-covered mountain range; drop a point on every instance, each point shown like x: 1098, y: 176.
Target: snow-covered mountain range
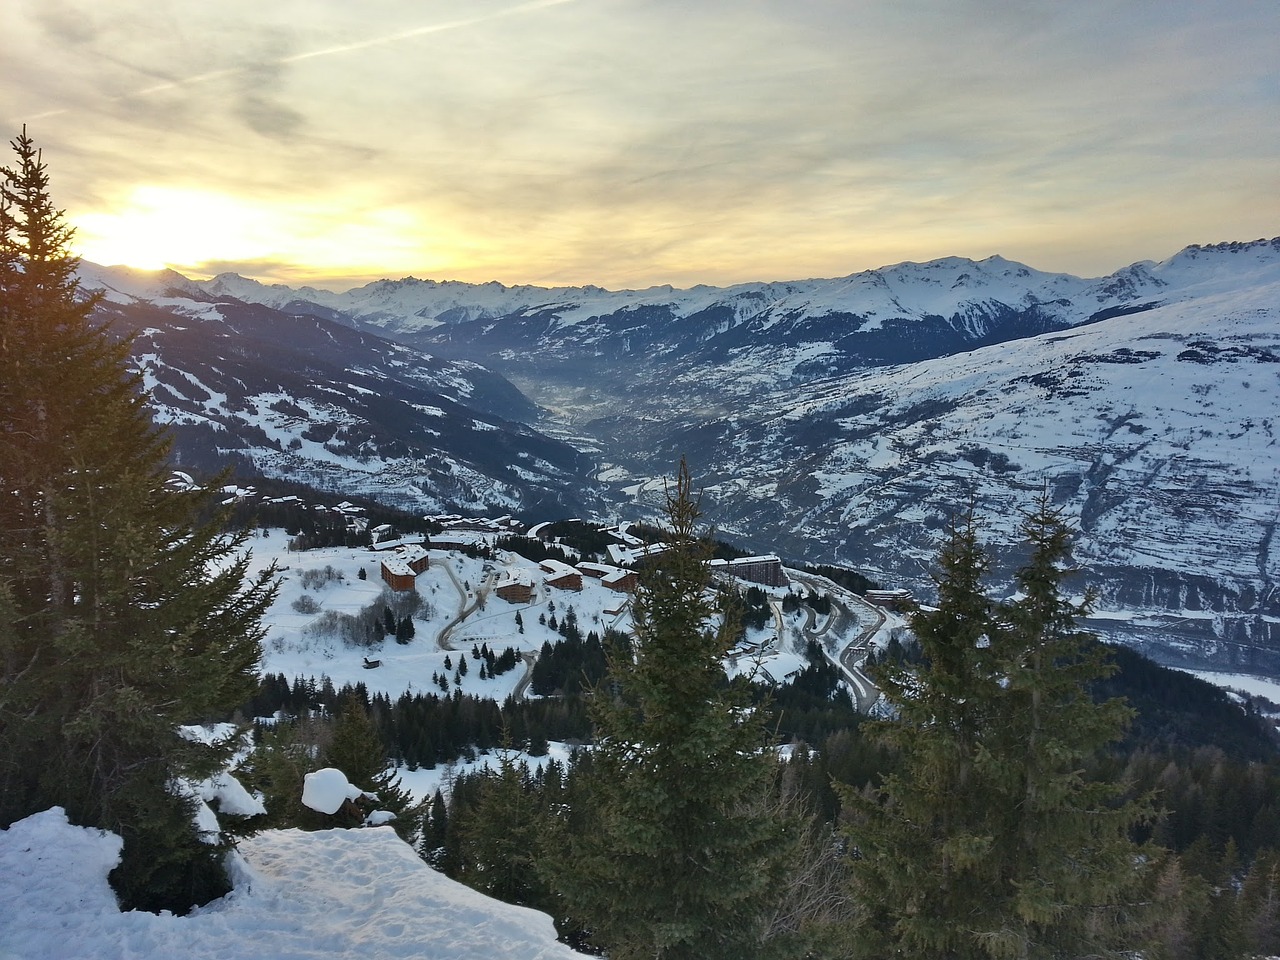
x: 843, y: 420
x: 307, y: 399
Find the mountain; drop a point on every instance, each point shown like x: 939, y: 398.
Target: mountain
x: 843, y: 420
x: 305, y: 398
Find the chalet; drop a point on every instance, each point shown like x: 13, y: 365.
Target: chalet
x: 397, y: 574
x: 615, y: 578
x: 596, y: 571
x: 623, y: 581
x: 765, y: 570
x: 515, y: 588
x: 560, y: 574
x: 625, y: 556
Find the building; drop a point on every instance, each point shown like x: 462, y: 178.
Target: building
x: 515, y: 588
x: 397, y: 574
x: 623, y: 581
x: 415, y: 555
x: 766, y: 570
x: 896, y: 600
x: 615, y: 578
x: 560, y: 574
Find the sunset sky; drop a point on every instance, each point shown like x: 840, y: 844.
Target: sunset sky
x: 636, y: 142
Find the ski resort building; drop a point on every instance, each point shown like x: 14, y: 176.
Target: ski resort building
x: 615, y: 578
x: 515, y: 588
x: 896, y: 600
x: 560, y: 574
x: 766, y: 570
x: 397, y: 574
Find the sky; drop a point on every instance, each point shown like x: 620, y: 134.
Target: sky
x: 627, y: 143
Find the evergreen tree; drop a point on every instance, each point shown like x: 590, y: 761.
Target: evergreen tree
x: 356, y: 748
x: 989, y: 842
x: 122, y: 613
x: 498, y: 838
x: 678, y: 860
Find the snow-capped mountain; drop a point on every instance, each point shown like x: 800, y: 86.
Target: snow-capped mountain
x: 307, y: 399
x: 843, y: 420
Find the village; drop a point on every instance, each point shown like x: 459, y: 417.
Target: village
x: 463, y: 588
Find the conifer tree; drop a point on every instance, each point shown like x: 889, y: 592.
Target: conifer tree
x: 989, y: 842
x: 678, y: 860
x: 921, y: 843
x: 499, y: 836
x: 122, y: 613
x: 357, y: 749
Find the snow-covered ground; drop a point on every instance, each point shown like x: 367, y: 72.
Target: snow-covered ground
x: 460, y: 612
x: 297, y: 896
x: 452, y: 586
x: 1242, y: 682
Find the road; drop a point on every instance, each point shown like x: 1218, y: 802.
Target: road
x: 464, y: 609
x: 849, y: 612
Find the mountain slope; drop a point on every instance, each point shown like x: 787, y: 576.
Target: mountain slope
x: 1157, y: 430
x: 845, y: 419
x: 308, y: 399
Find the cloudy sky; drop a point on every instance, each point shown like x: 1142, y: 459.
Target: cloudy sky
x: 635, y: 142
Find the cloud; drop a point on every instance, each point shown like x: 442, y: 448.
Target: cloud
x: 618, y: 142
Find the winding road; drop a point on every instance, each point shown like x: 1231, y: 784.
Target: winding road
x: 847, y: 610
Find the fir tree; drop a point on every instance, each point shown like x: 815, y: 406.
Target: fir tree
x: 498, y: 838
x: 989, y: 842
x: 124, y: 614
x: 357, y: 749
x: 678, y: 861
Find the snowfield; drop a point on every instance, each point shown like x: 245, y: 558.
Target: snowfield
x: 298, y: 896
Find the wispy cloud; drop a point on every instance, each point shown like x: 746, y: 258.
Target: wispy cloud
x: 640, y: 141
x: 260, y: 113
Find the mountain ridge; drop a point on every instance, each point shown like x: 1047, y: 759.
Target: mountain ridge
x: 841, y: 420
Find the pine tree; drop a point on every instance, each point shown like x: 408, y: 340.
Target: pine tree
x: 498, y: 838
x: 678, y: 861
x: 122, y: 614
x: 356, y: 748
x: 989, y: 842
x: 923, y: 839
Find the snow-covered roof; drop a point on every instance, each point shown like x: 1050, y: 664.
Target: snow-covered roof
x: 558, y: 568
x: 397, y: 566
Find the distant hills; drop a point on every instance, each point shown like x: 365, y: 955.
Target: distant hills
x: 831, y: 420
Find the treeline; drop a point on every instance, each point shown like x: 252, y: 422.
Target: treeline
x: 310, y: 521
x: 427, y: 729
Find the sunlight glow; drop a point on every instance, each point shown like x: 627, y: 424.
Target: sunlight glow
x: 157, y: 227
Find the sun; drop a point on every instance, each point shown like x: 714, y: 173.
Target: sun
x: 168, y: 226
x: 156, y: 227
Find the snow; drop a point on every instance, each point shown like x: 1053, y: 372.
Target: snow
x: 327, y: 789
x: 298, y: 896
x: 1241, y: 682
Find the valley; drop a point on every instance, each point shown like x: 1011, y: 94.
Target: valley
x: 836, y: 421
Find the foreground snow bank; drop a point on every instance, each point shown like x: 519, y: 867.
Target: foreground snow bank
x: 297, y: 896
